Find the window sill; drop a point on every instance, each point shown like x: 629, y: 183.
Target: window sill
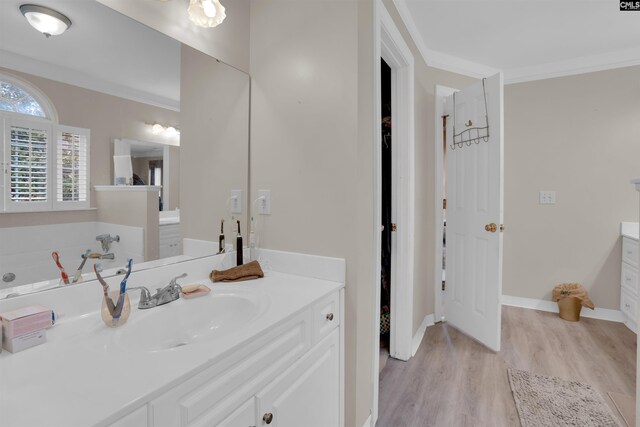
x: 50, y: 211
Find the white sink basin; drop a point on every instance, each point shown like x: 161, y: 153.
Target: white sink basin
x: 184, y: 322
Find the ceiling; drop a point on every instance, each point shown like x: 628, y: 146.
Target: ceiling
x: 526, y: 39
x: 102, y: 50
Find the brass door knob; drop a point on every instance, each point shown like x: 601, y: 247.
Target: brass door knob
x: 267, y: 418
x: 491, y: 227
x: 330, y: 317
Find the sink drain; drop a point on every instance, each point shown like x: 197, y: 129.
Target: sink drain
x: 180, y: 344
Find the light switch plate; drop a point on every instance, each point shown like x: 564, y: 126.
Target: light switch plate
x: 547, y: 197
x: 264, y: 202
x: 236, y: 201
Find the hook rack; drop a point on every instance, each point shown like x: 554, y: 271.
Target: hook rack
x: 472, y: 134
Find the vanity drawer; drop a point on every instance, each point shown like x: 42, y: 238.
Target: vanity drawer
x: 630, y: 251
x: 326, y: 316
x: 213, y: 394
x: 629, y: 278
x: 628, y: 304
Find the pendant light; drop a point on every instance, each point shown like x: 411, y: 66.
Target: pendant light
x: 48, y: 21
x: 206, y: 13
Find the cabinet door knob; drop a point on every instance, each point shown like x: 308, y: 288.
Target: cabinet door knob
x: 330, y: 317
x: 268, y: 417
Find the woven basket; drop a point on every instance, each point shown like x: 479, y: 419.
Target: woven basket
x: 385, y: 323
x: 570, y: 308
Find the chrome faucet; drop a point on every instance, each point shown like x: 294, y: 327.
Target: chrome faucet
x: 165, y: 295
x: 106, y: 240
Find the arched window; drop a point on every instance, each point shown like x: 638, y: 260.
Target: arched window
x: 19, y: 96
x: 12, y: 98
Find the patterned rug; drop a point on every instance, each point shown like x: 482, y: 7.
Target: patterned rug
x: 552, y: 402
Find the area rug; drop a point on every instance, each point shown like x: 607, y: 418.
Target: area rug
x: 552, y: 402
x: 626, y: 405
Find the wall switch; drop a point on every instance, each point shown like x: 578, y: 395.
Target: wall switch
x: 263, y: 202
x: 547, y: 197
x: 236, y: 201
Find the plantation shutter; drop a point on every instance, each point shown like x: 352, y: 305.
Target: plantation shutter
x: 28, y: 165
x: 72, y: 167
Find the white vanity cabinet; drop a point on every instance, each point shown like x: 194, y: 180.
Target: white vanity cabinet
x: 170, y: 240
x: 629, y: 282
x: 289, y: 376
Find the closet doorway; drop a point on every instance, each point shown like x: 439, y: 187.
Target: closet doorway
x: 386, y: 203
x: 390, y: 48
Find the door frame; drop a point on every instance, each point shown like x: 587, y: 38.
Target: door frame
x: 442, y: 92
x: 390, y: 46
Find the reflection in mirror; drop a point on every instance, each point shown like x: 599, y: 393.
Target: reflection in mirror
x: 73, y: 106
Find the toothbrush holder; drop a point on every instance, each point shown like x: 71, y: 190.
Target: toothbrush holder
x: 107, y: 318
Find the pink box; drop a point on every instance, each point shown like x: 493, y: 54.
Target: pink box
x: 25, y: 320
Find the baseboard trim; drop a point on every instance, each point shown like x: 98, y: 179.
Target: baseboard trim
x: 367, y: 423
x: 544, y: 305
x: 417, y: 338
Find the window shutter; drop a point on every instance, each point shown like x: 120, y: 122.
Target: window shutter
x: 72, y: 166
x: 28, y: 164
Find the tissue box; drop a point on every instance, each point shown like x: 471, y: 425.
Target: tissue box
x: 25, y: 341
x: 25, y: 320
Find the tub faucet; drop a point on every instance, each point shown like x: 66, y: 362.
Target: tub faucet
x: 106, y: 240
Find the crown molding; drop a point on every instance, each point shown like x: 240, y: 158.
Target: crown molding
x: 437, y: 59
x: 569, y: 67
x: 17, y: 62
x: 574, y: 66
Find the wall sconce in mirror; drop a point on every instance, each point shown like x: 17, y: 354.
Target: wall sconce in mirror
x: 48, y: 21
x: 159, y: 129
x: 206, y: 13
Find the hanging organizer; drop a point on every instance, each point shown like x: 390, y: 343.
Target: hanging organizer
x: 471, y: 134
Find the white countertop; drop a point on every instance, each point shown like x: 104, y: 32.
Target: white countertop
x: 82, y: 376
x: 630, y: 230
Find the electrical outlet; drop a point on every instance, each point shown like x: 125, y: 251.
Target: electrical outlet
x: 547, y: 197
x: 236, y: 201
x: 263, y: 202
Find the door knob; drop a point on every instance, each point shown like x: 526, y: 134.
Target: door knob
x: 491, y: 227
x: 268, y: 418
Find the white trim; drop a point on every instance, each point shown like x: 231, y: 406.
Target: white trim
x: 77, y: 78
x: 441, y: 93
x: 545, y: 305
x: 368, y: 422
x: 417, y: 338
x: 573, y: 66
x: 568, y: 67
x: 437, y: 59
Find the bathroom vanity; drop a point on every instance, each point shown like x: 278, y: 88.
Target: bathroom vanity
x: 266, y: 351
x: 629, y: 274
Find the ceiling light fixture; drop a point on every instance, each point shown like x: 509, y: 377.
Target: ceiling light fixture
x: 206, y: 13
x: 47, y: 21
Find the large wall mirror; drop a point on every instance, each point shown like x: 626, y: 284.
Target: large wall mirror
x: 118, y: 142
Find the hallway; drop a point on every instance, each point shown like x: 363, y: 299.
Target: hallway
x: 454, y: 381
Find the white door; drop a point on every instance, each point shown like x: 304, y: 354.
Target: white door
x: 474, y: 188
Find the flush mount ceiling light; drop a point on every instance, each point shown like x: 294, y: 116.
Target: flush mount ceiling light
x: 206, y: 13
x: 47, y: 21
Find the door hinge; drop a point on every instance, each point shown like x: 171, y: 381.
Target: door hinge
x: 444, y: 203
x: 394, y: 227
x: 443, y: 285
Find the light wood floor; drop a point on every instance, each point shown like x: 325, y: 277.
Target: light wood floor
x: 454, y: 381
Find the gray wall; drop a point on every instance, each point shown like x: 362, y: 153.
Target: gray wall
x: 580, y: 136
